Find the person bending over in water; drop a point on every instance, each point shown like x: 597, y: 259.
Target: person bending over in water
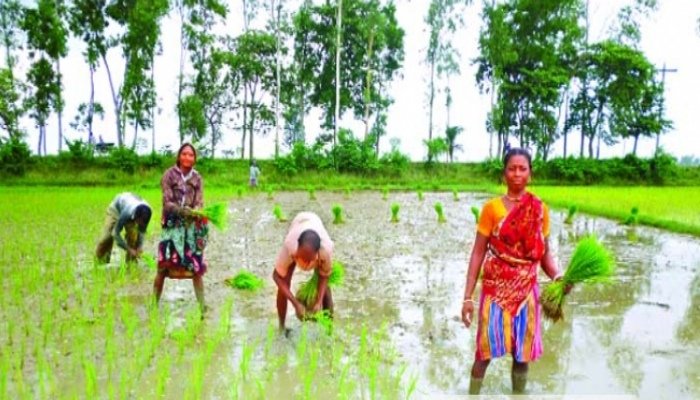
x: 308, y: 246
x: 126, y: 212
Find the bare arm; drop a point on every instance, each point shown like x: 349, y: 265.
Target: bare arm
x: 549, y: 266
x: 477, y: 258
x: 285, y: 289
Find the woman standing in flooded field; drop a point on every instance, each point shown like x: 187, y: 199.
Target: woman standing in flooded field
x: 511, y: 242
x: 184, y: 235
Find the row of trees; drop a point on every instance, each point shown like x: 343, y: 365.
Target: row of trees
x: 545, y: 78
x: 548, y: 80
x: 338, y: 56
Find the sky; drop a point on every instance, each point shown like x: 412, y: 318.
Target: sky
x: 669, y: 37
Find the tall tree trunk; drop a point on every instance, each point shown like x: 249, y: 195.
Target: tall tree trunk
x: 597, y: 151
x: 91, y: 104
x: 41, y: 139
x: 278, y: 73
x: 153, y: 110
x: 180, y: 78
x: 251, y: 130
x: 431, y: 101
x: 116, y: 101
x: 368, y: 82
x: 339, y: 27
x: 59, y: 110
x: 634, y: 148
x: 245, y: 119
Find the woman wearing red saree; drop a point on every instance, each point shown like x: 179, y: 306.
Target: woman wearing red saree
x: 511, y: 243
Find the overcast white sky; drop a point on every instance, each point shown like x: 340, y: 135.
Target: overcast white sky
x: 669, y: 36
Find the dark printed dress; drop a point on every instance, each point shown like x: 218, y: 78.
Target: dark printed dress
x: 182, y: 240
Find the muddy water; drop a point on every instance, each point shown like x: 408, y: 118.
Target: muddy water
x: 637, y: 336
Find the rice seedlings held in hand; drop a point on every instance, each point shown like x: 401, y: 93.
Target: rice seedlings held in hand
x: 279, y: 214
x: 590, y: 262
x: 633, y: 218
x: 306, y: 293
x: 337, y: 214
x: 420, y: 195
x: 245, y: 280
x: 438, y: 210
x: 455, y: 194
x: 570, y: 216
x: 312, y: 193
x: 395, y: 207
x: 150, y: 261
x: 385, y: 193
x: 216, y: 214
x: 475, y: 212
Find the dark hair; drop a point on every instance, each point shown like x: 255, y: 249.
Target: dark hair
x: 179, y: 152
x: 143, y: 213
x: 310, y: 238
x: 517, y: 151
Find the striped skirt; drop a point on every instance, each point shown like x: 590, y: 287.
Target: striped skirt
x: 500, y: 333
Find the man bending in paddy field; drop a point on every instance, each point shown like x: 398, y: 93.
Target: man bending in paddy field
x: 130, y: 213
x: 308, y: 246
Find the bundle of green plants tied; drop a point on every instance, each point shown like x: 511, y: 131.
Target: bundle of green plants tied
x: 215, y: 213
x: 150, y: 261
x: 570, y: 216
x: 306, y: 293
x: 245, y: 280
x: 475, y: 212
x: 590, y: 262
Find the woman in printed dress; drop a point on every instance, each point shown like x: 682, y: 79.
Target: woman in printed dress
x: 511, y: 243
x: 184, y: 235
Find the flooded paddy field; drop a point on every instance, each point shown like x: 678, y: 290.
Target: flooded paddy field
x: 69, y: 329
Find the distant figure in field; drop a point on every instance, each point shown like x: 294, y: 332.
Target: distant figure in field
x: 126, y: 212
x: 308, y: 246
x: 184, y: 234
x: 506, y: 148
x: 254, y: 173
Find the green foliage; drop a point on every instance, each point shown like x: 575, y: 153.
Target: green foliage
x: 216, y: 213
x: 385, y: 193
x: 439, y: 211
x: 245, y: 280
x: 475, y: 213
x: 337, y: 210
x: 124, y: 159
x: 279, y: 214
x: 306, y: 293
x: 570, y: 215
x: 79, y: 152
x: 14, y: 156
x: 633, y: 218
x: 312, y: 193
x: 436, y: 147
x: 590, y: 263
x: 395, y: 207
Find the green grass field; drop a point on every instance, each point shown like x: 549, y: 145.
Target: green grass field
x: 674, y: 208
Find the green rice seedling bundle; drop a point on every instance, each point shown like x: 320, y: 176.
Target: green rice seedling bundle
x: 590, y: 262
x: 395, y: 207
x: 347, y: 192
x: 455, y: 194
x: 420, y: 195
x: 279, y: 214
x: 245, y: 280
x: 337, y: 214
x: 306, y: 293
x: 439, y: 211
x: 633, y: 218
x: 150, y: 261
x: 475, y: 212
x: 312, y: 194
x: 570, y: 216
x: 385, y: 193
x: 215, y: 213
x: 270, y: 193
x: 323, y: 318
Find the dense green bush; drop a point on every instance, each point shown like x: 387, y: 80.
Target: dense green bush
x: 14, y: 156
x: 124, y: 159
x: 79, y: 152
